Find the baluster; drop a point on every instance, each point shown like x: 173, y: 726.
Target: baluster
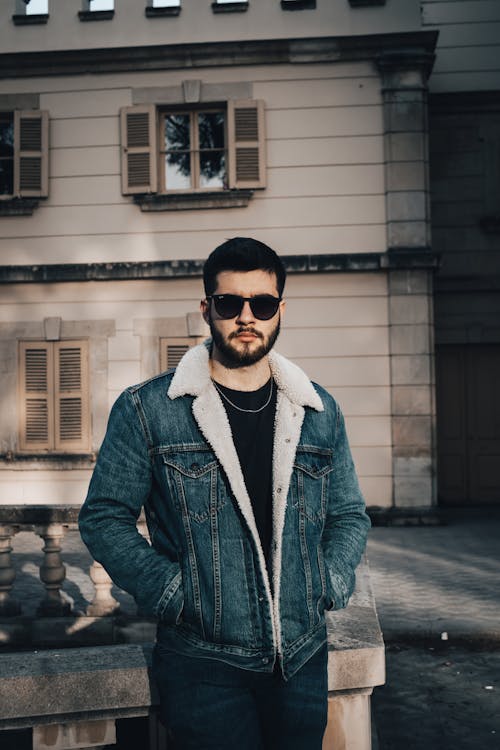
x: 52, y: 571
x: 8, y: 606
x: 103, y: 602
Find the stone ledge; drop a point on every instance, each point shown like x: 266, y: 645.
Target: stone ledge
x: 55, y: 686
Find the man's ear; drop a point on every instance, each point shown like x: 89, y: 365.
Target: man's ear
x: 204, y: 304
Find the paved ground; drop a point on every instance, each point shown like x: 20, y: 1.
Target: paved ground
x: 435, y: 583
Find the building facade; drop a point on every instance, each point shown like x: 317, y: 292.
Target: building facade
x: 136, y: 138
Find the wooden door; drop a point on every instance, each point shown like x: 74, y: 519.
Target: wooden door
x: 468, y: 424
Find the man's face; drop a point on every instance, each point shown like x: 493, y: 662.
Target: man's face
x: 244, y: 339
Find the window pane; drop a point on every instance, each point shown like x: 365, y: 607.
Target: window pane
x: 101, y: 5
x: 212, y: 169
x: 177, y: 132
x: 211, y: 129
x: 6, y: 136
x: 6, y: 155
x: 34, y: 7
x: 178, y: 170
x: 165, y: 3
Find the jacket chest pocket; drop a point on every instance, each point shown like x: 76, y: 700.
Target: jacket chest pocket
x: 310, y: 481
x: 194, y: 483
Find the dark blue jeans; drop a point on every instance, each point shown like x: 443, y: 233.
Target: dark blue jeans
x: 209, y: 705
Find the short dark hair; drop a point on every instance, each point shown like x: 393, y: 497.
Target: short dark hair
x: 242, y: 254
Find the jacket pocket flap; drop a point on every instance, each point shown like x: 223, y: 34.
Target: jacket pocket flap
x: 313, y: 461
x: 191, y: 463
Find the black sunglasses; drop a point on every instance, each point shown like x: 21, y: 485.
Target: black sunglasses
x: 263, y: 306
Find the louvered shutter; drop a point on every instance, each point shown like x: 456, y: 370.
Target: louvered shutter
x: 246, y: 144
x: 71, y: 396
x: 139, y: 154
x: 31, y: 153
x: 36, y: 386
x: 172, y: 350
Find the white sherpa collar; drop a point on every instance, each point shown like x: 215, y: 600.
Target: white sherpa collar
x: 192, y: 377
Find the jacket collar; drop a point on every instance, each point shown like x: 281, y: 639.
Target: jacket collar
x: 192, y: 377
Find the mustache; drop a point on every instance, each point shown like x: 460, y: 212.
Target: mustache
x: 234, y: 334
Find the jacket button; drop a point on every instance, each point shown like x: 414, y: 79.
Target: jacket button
x: 261, y: 598
x: 265, y: 660
x: 278, y: 490
x: 194, y: 466
x: 287, y: 440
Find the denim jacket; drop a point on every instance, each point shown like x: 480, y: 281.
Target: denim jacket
x: 169, y: 448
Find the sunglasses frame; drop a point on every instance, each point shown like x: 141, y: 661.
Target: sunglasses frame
x: 242, y: 300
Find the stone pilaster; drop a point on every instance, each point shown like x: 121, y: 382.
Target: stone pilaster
x: 404, y: 89
x: 412, y: 387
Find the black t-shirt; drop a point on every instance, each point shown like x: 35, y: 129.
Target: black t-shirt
x: 253, y: 439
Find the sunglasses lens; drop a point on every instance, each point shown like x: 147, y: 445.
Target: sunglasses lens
x: 264, y: 307
x: 228, y: 306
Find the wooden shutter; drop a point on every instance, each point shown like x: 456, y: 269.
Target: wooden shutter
x: 36, y: 387
x: 139, y: 153
x: 71, y: 393
x: 31, y: 153
x: 246, y: 144
x: 172, y: 350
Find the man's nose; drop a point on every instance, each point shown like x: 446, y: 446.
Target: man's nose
x: 246, y: 315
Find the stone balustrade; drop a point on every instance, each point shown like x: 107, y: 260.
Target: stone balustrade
x: 98, y: 619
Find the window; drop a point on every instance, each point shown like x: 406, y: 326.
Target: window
x: 54, y: 396
x: 191, y: 149
x: 33, y: 7
x: 97, y: 10
x: 157, y: 8
x: 23, y: 154
x: 98, y: 5
x: 31, y: 12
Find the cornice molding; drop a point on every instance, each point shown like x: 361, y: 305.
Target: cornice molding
x: 216, y: 54
x: 168, y: 269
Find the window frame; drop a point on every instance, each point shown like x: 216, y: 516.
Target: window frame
x: 55, y: 444
x: 194, y: 151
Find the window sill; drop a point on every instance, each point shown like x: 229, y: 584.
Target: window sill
x: 298, y: 4
x: 229, y: 7
x: 27, y: 461
x: 96, y: 15
x: 18, y: 206
x: 20, y: 19
x: 365, y: 3
x: 159, y: 12
x: 187, y: 201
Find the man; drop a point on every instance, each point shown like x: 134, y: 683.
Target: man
x: 255, y: 517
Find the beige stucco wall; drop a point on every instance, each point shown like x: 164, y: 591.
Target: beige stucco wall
x: 335, y: 328
x: 197, y: 23
x: 325, y: 160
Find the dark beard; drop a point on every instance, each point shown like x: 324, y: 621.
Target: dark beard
x: 231, y: 358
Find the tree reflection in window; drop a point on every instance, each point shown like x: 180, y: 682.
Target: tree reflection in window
x: 195, y: 150
x: 6, y: 154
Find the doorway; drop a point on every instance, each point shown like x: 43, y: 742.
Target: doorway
x: 468, y: 424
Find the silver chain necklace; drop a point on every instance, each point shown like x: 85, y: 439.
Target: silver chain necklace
x: 238, y: 408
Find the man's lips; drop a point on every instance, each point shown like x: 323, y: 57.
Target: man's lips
x: 246, y: 335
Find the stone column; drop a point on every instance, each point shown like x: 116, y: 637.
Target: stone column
x: 8, y: 606
x: 52, y: 571
x: 410, y: 262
